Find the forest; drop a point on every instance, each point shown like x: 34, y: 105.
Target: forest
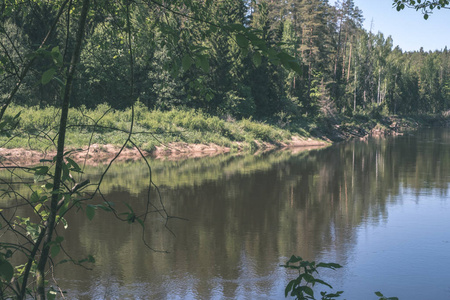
x: 127, y: 70
x: 273, y: 61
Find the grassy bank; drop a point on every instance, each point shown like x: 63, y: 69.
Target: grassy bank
x: 36, y: 129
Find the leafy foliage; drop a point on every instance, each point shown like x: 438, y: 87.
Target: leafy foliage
x: 302, y: 287
x: 426, y: 6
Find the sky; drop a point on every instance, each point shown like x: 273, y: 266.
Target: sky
x: 408, y: 28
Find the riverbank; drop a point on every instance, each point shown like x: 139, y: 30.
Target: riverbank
x: 31, y: 133
x: 101, y: 154
x: 362, y: 127
x: 177, y: 134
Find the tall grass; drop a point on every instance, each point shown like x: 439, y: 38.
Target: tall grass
x: 37, y: 128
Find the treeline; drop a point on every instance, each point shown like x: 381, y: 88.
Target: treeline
x: 190, y: 54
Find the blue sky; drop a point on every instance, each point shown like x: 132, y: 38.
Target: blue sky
x: 408, y: 28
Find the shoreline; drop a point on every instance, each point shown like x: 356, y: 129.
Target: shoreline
x: 329, y: 134
x: 102, y: 154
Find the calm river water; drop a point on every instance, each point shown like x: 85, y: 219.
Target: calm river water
x: 379, y: 207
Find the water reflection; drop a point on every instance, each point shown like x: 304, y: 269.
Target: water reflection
x: 248, y: 213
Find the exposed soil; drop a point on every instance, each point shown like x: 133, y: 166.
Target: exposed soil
x: 101, y: 154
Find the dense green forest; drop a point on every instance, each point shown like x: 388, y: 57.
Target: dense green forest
x: 203, y: 55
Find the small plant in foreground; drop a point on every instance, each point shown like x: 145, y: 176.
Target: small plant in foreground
x: 301, y: 287
x: 382, y: 297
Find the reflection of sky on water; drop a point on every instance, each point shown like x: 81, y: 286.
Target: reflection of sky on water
x: 406, y: 256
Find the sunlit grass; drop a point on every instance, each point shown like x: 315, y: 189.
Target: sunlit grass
x: 37, y: 128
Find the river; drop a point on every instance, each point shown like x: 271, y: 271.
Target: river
x: 378, y: 207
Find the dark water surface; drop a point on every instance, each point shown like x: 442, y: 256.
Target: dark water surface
x: 380, y: 208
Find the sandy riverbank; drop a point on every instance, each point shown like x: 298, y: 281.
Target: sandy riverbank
x: 98, y: 154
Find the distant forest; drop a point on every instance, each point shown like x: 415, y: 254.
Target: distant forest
x: 190, y: 54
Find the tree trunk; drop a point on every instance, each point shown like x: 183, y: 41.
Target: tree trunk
x: 354, y: 93
x: 337, y: 53
x: 343, y: 55
x: 349, y: 62
x: 378, y: 88
x: 51, y: 222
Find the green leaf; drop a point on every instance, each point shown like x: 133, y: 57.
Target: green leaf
x: 329, y: 265
x: 90, y: 211
x: 331, y: 295
x: 213, y: 28
x: 75, y: 166
x: 284, y: 57
x: 66, y: 153
x: 255, y: 39
x: 55, y: 49
x: 379, y: 294
x: 237, y: 27
x: 140, y: 222
x: 64, y: 208
x: 129, y: 207
x: 54, y: 250
x: 289, y: 288
x: 203, y: 63
x: 307, y: 290
x: 48, y: 75
x: 295, y: 67
x: 65, y: 173
x: 272, y: 54
x: 308, y: 278
x: 51, y: 295
x: 104, y: 207
x: 38, y: 207
x: 57, y: 57
x: 42, y: 170
x: 186, y: 62
x: 322, y: 282
x: 6, y: 270
x: 242, y: 41
x: 66, y: 225
x: 34, y: 197
x: 257, y: 59
x: 294, y: 259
